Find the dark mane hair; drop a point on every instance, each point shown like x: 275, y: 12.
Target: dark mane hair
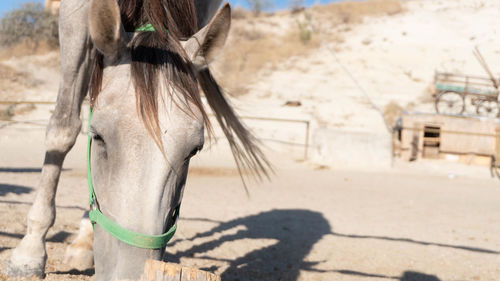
x: 160, y: 54
x: 179, y: 17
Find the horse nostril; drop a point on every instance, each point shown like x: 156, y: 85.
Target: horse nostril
x: 97, y: 137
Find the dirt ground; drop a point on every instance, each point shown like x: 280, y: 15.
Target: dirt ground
x: 421, y: 222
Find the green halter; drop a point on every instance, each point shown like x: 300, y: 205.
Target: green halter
x: 148, y: 27
x: 130, y: 237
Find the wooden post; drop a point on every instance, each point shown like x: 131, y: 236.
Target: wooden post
x: 164, y: 271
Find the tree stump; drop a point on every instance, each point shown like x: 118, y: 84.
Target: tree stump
x: 164, y: 271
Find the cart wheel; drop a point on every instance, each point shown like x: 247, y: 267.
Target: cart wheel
x: 471, y: 103
x: 487, y: 109
x: 450, y: 103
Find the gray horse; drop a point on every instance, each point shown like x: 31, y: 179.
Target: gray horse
x: 148, y: 120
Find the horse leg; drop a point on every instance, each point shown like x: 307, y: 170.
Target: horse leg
x: 29, y: 257
x: 79, y: 254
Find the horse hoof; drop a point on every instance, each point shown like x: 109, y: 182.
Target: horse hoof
x: 24, y: 267
x: 28, y: 258
x: 79, y: 254
x: 79, y: 257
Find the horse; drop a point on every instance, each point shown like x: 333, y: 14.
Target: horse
x: 143, y: 63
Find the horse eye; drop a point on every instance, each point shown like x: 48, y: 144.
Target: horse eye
x: 193, y: 152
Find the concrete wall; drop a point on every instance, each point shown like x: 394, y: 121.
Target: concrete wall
x: 350, y: 149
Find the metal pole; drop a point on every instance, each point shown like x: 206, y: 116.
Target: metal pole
x: 27, y: 102
x: 307, y: 140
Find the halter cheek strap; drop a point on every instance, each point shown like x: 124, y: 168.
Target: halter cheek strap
x: 129, y: 237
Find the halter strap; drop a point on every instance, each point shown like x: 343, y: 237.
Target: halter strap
x: 147, y: 27
x: 129, y: 237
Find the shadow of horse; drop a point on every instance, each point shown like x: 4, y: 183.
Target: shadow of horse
x: 406, y: 276
x: 17, y: 189
x: 416, y: 276
x: 295, y: 230
x: 19, y: 170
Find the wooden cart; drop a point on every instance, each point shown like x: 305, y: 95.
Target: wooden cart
x: 459, y: 94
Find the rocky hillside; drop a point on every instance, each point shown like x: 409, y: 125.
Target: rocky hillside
x: 358, y: 60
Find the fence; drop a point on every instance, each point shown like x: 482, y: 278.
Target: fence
x: 305, y: 123
x: 471, y: 142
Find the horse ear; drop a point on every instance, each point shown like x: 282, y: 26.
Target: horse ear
x: 203, y: 47
x: 105, y: 27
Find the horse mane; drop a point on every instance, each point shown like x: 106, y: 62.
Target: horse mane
x: 160, y: 54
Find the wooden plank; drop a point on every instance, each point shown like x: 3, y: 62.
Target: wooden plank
x: 447, y: 75
x: 163, y: 271
x: 172, y: 272
x: 458, y: 135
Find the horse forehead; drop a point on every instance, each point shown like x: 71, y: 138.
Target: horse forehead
x: 118, y: 95
x: 116, y: 84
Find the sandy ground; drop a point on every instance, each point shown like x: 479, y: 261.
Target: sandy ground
x: 417, y: 221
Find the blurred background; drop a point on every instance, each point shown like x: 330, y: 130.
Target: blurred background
x: 380, y: 117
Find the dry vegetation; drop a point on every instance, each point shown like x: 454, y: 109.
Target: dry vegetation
x: 267, y: 40
x: 353, y: 12
x: 392, y: 111
x: 26, y: 49
x: 29, y: 24
x: 12, y: 80
x: 251, y: 48
x: 255, y: 42
x: 28, y: 30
